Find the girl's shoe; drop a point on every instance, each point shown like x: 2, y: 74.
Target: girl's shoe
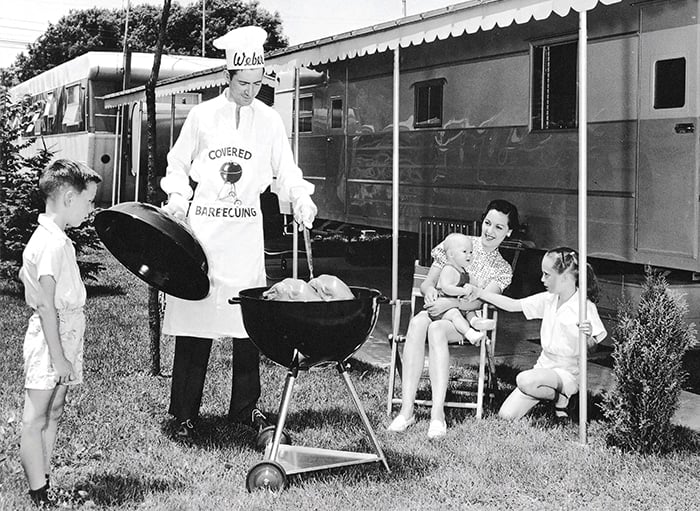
x: 400, y: 424
x: 437, y: 429
x: 561, y: 416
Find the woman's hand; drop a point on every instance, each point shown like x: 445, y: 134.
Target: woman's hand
x: 440, y: 305
x: 430, y: 296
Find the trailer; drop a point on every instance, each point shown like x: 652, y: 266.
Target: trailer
x: 494, y: 114
x: 72, y: 121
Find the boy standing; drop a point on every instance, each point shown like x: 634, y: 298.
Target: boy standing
x: 53, y: 344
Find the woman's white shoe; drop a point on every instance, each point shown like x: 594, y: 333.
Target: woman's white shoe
x: 400, y: 424
x: 437, y: 429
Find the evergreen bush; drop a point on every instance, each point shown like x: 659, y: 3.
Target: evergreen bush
x: 648, y: 368
x: 20, y: 198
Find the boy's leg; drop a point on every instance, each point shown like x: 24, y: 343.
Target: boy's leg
x: 56, y: 405
x: 245, y: 381
x: 31, y: 447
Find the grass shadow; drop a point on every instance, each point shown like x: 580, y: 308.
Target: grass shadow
x: 310, y: 418
x: 213, y: 433
x: 404, y: 468
x: 120, y: 490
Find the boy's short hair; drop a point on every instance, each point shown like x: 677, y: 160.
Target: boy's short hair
x: 64, y: 172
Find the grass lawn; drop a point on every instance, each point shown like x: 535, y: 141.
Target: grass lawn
x: 115, y: 440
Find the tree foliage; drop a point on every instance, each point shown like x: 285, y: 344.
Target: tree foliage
x: 648, y: 369
x: 98, y: 29
x: 20, y: 198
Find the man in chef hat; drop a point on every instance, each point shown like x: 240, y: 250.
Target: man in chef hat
x: 231, y: 147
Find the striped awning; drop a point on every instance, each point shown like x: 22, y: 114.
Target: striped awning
x: 451, y: 21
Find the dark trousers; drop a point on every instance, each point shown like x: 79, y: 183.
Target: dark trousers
x: 190, y: 370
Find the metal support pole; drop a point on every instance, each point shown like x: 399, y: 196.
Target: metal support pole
x: 117, y: 156
x: 204, y: 4
x: 582, y: 218
x: 395, y: 189
x: 295, y: 231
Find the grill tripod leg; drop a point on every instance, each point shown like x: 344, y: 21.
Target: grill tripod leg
x: 363, y: 415
x: 284, y: 408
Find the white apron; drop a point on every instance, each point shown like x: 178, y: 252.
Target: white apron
x: 225, y: 217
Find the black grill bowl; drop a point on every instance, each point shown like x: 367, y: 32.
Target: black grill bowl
x: 304, y: 334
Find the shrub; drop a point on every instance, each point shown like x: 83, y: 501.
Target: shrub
x: 20, y: 198
x: 648, y: 357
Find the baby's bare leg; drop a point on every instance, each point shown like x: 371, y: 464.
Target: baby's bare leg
x: 460, y: 323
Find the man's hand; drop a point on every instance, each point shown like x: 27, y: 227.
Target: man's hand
x: 304, y: 211
x: 176, y: 206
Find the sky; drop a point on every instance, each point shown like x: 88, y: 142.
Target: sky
x: 23, y: 21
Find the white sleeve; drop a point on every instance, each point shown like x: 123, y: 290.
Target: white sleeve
x: 288, y: 174
x: 180, y: 158
x: 534, y: 305
x: 598, y: 329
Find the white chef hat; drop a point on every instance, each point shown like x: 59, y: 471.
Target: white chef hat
x: 244, y: 47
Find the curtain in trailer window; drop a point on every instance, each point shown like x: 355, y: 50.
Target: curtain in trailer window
x: 73, y: 114
x: 554, y: 86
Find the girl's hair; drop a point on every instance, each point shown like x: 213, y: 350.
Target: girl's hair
x: 508, y: 209
x: 66, y: 172
x: 566, y: 259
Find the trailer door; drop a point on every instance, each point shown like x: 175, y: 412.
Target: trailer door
x: 667, y: 182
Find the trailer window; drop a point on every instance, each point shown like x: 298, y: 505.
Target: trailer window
x: 336, y: 113
x: 554, y: 86
x: 306, y: 113
x: 428, y: 103
x: 669, y: 83
x: 71, y: 117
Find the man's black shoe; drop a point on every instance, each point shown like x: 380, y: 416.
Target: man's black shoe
x: 258, y: 420
x: 186, y: 430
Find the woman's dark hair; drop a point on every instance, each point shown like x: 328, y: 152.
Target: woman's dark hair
x: 566, y: 259
x: 508, y: 209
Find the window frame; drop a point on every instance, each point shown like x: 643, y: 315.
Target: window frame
x: 655, y: 83
x: 306, y: 115
x: 542, y: 126
x: 72, y: 114
x: 430, y: 121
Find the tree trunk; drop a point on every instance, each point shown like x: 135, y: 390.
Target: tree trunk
x: 151, y: 193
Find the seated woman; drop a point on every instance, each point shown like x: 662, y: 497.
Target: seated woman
x: 488, y: 270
